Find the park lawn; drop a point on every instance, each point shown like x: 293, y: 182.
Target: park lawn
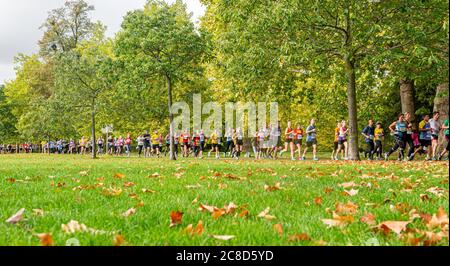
x: 78, y: 188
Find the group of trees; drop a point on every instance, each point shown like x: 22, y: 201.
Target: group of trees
x: 331, y: 60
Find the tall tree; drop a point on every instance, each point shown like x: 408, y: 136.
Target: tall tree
x: 82, y: 76
x: 66, y: 27
x: 161, y: 42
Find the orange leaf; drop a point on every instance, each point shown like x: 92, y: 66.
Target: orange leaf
x: 175, y: 218
x: 119, y: 240
x: 119, y: 175
x: 278, y: 228
x: 243, y: 213
x: 206, y: 207
x: 198, y: 230
x: 368, y: 218
x: 46, y: 239
x: 217, y: 213
x: 128, y: 184
x: 299, y: 237
x: 394, y: 226
x: 318, y: 201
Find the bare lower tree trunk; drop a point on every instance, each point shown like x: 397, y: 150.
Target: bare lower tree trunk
x: 94, y: 154
x: 407, y: 99
x: 441, y: 105
x: 353, y: 150
x: 172, y: 146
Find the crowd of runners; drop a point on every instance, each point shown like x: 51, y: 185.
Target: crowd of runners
x: 266, y: 143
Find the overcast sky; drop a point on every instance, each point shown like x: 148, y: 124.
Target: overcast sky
x: 20, y: 21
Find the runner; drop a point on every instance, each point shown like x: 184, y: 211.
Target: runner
x: 120, y: 144
x: 260, y: 145
x: 229, y: 144
x: 379, y: 138
x: 110, y: 145
x: 155, y: 143
x: 289, y: 137
x: 369, y: 133
x: 335, y: 143
x: 311, y: 140
x: 82, y: 146
x: 176, y: 140
x: 214, y: 142
x: 239, y: 142
x: 342, y: 141
x: 100, y: 145
x: 140, y: 144
x: 128, y: 145
x: 424, y: 138
x: 446, y: 133
x: 298, y: 135
x: 147, y: 145
x: 186, y: 138
x: 167, y: 149
x: 275, y: 140
x: 398, y: 129
x: 196, y: 144
x: 435, y: 130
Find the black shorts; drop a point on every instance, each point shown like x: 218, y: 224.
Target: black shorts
x: 288, y: 141
x: 215, y: 145
x: 147, y: 145
x: 185, y: 144
x: 434, y: 136
x: 311, y: 143
x: 335, y: 145
x: 202, y: 145
x: 425, y: 142
x: 155, y: 146
x: 240, y: 142
x: 298, y: 142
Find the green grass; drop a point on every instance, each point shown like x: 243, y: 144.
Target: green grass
x: 293, y: 205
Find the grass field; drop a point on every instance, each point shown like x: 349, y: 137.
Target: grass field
x: 97, y: 193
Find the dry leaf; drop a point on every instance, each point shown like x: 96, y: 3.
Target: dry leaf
x: 17, y: 217
x: 46, y: 239
x: 277, y: 186
x: 223, y: 237
x: 206, y: 207
x: 368, y: 218
x: 318, y: 201
x: 129, y: 212
x: 145, y: 190
x: 154, y: 175
x: 128, y: 184
x: 440, y: 219
x: 394, y: 226
x: 348, y: 184
x: 278, y: 228
x: 299, y: 237
x: 119, y: 240
x: 175, y: 218
x: 351, y: 192
x: 119, y: 175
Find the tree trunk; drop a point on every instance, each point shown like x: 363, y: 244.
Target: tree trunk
x: 94, y: 153
x: 441, y: 105
x: 353, y: 150
x: 171, y: 129
x: 407, y: 99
